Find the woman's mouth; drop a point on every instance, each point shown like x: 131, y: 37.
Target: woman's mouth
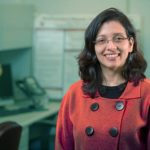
x: 111, y: 56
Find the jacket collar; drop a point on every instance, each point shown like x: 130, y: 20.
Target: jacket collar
x: 131, y: 91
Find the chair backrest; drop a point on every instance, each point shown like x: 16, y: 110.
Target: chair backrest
x: 10, y: 133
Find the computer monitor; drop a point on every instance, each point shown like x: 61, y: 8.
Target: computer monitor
x: 6, y: 85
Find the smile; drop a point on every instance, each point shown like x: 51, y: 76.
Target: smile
x: 111, y: 55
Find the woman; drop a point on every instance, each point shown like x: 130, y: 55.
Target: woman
x: 108, y: 109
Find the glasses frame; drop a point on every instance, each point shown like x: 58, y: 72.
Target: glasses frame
x: 97, y: 42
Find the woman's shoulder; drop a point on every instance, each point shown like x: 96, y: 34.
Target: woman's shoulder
x: 146, y: 82
x: 145, y: 87
x: 75, y: 90
x: 76, y: 86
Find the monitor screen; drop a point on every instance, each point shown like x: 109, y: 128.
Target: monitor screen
x: 6, y: 87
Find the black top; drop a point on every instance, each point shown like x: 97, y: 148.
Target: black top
x: 112, y: 91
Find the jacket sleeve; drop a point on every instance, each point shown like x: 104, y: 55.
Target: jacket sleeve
x: 64, y: 128
x: 148, y: 137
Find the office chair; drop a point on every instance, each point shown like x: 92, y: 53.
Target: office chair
x: 10, y: 133
x: 45, y: 137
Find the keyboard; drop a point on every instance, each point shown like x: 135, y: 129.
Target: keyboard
x: 4, y: 112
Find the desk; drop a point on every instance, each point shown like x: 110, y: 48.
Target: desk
x: 27, y: 119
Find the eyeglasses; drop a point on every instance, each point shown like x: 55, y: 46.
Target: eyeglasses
x: 117, y: 39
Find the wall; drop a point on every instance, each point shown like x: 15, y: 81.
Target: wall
x: 142, y: 8
x: 78, y: 7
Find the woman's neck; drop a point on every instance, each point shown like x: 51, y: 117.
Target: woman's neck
x: 111, y: 78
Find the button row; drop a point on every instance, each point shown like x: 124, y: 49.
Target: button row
x: 119, y: 106
x: 90, y: 131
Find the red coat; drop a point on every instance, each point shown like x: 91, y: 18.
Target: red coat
x: 105, y: 124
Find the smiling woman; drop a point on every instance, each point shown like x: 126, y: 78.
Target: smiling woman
x: 108, y: 109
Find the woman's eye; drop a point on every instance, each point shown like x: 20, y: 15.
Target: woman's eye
x: 118, y: 39
x: 101, y: 41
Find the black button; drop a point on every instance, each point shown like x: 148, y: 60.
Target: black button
x: 94, y: 106
x: 119, y: 106
x: 113, y: 132
x: 89, y: 131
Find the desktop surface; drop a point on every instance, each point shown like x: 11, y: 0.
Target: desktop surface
x: 6, y: 112
x: 27, y: 118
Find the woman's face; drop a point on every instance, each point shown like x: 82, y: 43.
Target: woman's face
x: 112, y: 46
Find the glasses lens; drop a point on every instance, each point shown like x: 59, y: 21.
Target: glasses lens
x: 117, y: 39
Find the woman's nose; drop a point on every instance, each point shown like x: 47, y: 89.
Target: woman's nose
x: 110, y: 44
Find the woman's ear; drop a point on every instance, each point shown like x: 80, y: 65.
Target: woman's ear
x: 131, y: 42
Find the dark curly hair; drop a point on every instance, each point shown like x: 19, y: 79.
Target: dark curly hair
x: 89, y: 67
